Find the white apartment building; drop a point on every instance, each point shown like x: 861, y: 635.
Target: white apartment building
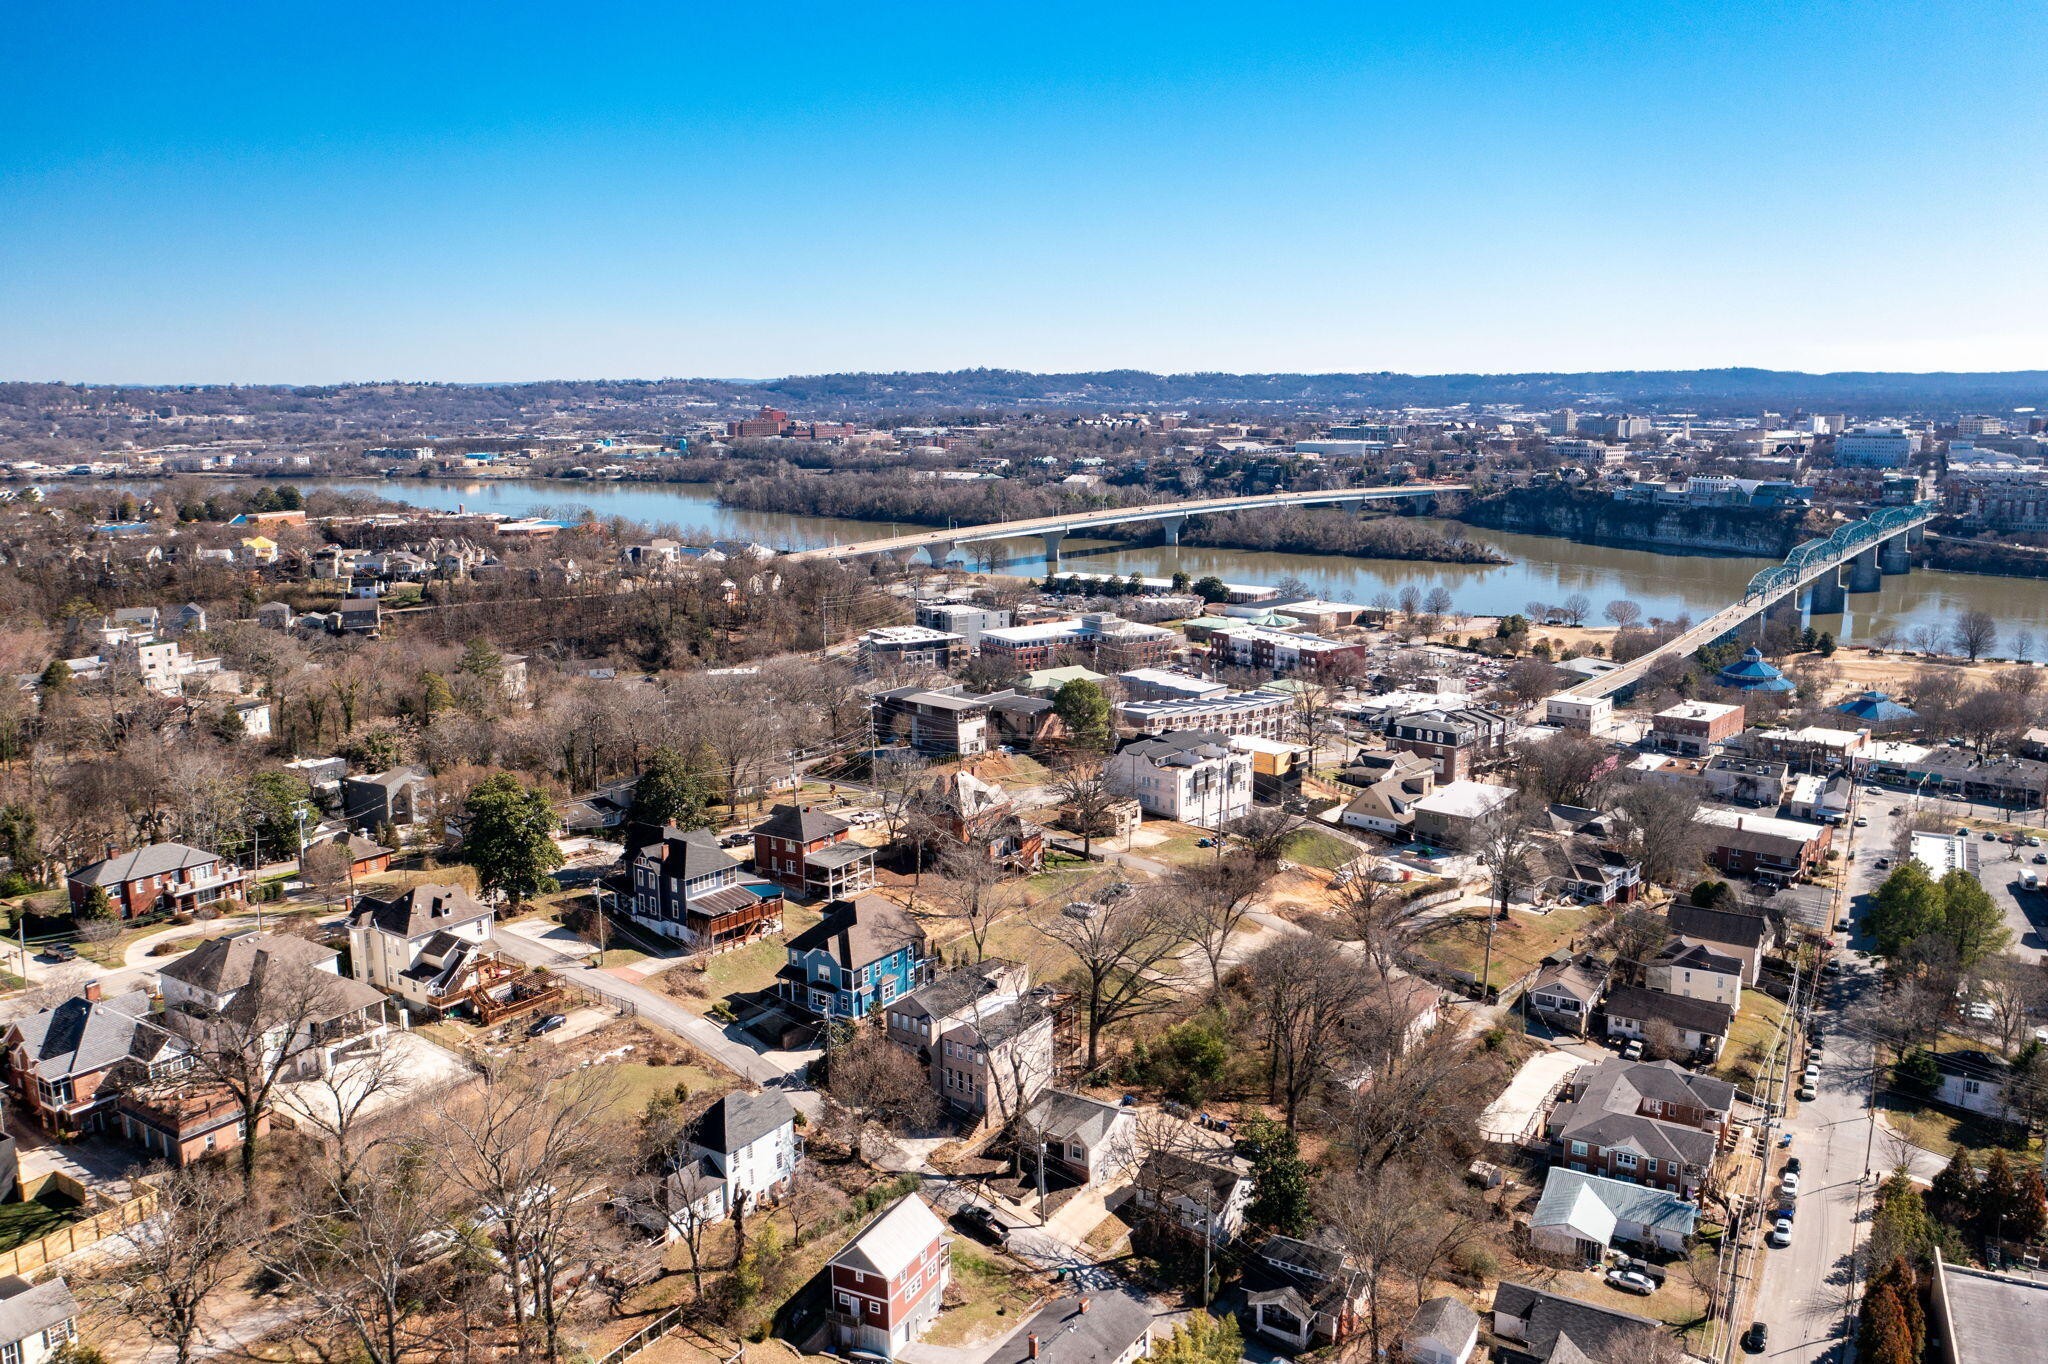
x: 1192, y: 776
x: 1876, y: 447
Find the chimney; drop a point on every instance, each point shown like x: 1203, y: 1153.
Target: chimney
x: 92, y: 991
x: 1031, y: 1342
x: 112, y: 852
x: 1084, y: 1306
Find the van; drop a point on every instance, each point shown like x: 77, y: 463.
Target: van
x: 2030, y: 880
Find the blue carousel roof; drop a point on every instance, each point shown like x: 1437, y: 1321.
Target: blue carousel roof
x: 1753, y: 674
x: 1876, y: 707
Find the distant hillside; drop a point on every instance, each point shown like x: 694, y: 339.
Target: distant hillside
x: 1708, y: 391
x: 658, y: 403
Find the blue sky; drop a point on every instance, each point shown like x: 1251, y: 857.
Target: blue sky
x: 305, y: 193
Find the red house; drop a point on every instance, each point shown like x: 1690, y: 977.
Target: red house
x: 809, y: 851
x: 166, y: 877
x: 889, y: 1281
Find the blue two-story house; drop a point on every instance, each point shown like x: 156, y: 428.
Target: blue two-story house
x: 865, y: 952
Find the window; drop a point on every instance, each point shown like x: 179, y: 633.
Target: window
x: 1624, y: 1160
x: 10, y: 1352
x: 846, y: 1300
x: 1578, y: 1148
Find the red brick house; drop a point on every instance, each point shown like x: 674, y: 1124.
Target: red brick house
x: 182, y: 1120
x: 888, y: 1282
x: 811, y: 852
x: 163, y: 877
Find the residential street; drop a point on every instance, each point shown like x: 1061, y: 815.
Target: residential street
x: 1807, y: 1286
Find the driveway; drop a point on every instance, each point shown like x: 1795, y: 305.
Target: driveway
x: 542, y: 944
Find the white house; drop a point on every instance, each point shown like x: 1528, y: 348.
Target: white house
x: 1584, y: 1214
x: 1443, y: 1331
x: 1975, y: 1082
x: 1194, y: 776
x: 1696, y: 971
x: 421, y: 944
x: 36, y: 1320
x: 747, y: 1148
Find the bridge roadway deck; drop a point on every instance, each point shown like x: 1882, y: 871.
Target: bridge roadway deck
x: 1071, y: 522
x: 1722, y: 622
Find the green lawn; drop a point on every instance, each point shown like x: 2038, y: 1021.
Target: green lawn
x: 1756, y: 1025
x: 1520, y: 942
x: 21, y: 1223
x: 997, y: 1292
x: 637, y: 1082
x: 753, y: 967
x: 1942, y: 1132
x: 1019, y: 938
x: 1317, y: 848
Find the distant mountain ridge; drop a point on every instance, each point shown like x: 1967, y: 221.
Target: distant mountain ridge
x: 1708, y: 392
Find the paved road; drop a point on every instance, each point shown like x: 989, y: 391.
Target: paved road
x: 730, y: 1045
x: 1806, y: 1286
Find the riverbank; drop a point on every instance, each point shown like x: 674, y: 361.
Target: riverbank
x: 1597, y: 518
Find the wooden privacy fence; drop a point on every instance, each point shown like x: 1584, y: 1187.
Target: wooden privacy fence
x: 73, y: 1237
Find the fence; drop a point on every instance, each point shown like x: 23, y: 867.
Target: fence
x: 73, y: 1237
x: 651, y: 1332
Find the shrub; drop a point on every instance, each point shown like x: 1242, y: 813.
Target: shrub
x: 1475, y: 1261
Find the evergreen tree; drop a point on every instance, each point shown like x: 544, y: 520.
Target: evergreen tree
x: 1085, y: 711
x: 1202, y: 1339
x: 507, y: 838
x: 481, y: 661
x: 435, y: 696
x: 1971, y: 919
x: 95, y: 908
x: 1908, y: 904
x: 1210, y: 589
x: 1280, y: 1188
x: 1952, y: 1198
x: 1826, y: 647
x: 671, y: 790
x: 56, y: 677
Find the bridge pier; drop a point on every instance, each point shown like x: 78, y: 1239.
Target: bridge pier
x: 942, y: 551
x: 1052, y: 548
x: 904, y: 557
x: 1784, y: 611
x: 1916, y: 535
x: 1892, y: 558
x: 1864, y: 574
x: 1825, y: 596
x: 1169, y: 527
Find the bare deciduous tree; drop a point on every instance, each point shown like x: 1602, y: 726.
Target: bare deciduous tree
x: 529, y: 1147
x: 1213, y: 900
x: 878, y: 1081
x: 1308, y: 989
x: 1124, y: 949
x: 180, y: 1257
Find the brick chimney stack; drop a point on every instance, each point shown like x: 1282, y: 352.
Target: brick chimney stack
x: 92, y: 991
x: 1031, y: 1342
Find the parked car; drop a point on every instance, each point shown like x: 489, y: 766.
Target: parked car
x: 1862, y: 823
x: 1791, y: 1165
x: 1628, y: 1281
x: 1788, y: 1184
x: 1781, y: 1232
x: 547, y: 1024
x: 1634, y: 1050
x: 1883, y: 862
x: 1757, y: 1338
x: 980, y: 1223
x: 1808, y: 1093
x: 60, y: 951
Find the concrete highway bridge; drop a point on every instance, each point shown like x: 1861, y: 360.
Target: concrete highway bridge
x: 940, y: 545
x: 1818, y: 575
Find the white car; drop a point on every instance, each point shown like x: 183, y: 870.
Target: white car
x: 1628, y: 1281
x: 1788, y: 1185
x: 1781, y: 1232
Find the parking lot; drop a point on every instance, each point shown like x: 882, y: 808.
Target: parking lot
x: 2000, y: 866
